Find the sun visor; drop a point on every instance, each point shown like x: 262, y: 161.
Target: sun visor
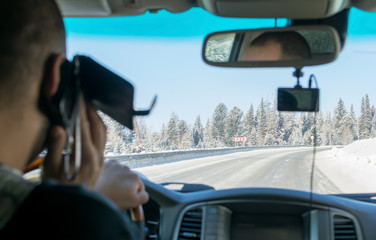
x: 295, y: 9
x: 84, y: 8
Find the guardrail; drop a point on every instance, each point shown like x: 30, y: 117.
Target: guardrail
x: 147, y: 159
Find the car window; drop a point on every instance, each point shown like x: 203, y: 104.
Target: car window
x: 219, y: 126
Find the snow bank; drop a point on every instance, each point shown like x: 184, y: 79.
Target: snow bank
x: 363, y: 148
x: 361, y: 153
x: 352, y: 168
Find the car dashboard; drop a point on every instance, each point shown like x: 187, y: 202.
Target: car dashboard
x: 256, y: 213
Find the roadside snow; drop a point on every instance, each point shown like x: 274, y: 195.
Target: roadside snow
x: 363, y: 148
x: 352, y: 168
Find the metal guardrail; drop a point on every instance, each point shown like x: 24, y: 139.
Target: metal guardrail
x: 147, y: 159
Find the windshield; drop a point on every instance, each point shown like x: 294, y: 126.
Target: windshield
x: 220, y: 126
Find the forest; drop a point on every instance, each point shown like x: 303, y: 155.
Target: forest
x: 261, y: 126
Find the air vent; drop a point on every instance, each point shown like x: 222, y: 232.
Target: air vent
x: 344, y: 228
x: 190, y: 227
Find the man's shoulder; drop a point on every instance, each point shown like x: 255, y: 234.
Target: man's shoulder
x: 53, y: 193
x: 71, y: 211
x: 75, y: 200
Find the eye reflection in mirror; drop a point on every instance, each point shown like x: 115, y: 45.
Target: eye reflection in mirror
x: 296, y: 46
x: 274, y: 46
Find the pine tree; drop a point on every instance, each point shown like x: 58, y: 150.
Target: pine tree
x: 173, y: 131
x: 373, y: 129
x: 341, y: 123
x: 365, y: 121
x: 331, y: 135
x: 115, y: 143
x: 218, y: 124
x: 183, y: 131
x: 373, y: 122
x: 354, y: 125
x: 198, y: 134
x: 272, y: 131
x: 321, y: 129
x: 253, y: 138
x: 260, y: 122
x: 306, y: 122
x: 249, y: 124
x: 296, y: 137
x: 209, y: 142
x: 233, y: 125
x: 339, y: 113
x: 163, y: 138
x: 141, y: 136
x: 286, y: 125
x: 310, y: 127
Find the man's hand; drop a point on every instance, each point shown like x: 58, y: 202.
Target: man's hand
x: 121, y: 185
x: 93, y: 137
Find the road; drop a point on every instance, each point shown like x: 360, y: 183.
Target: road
x: 288, y: 168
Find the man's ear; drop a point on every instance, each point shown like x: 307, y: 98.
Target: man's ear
x: 53, y: 79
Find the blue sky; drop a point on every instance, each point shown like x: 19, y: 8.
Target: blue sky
x: 161, y: 54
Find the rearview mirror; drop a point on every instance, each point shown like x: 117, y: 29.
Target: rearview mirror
x: 272, y: 47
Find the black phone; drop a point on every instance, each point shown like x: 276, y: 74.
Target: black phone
x: 61, y: 111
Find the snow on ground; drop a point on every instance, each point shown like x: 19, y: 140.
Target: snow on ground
x: 352, y: 168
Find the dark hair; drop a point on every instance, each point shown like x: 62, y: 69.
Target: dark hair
x: 293, y: 45
x: 30, y: 32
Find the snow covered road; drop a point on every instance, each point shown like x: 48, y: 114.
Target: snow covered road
x: 278, y: 168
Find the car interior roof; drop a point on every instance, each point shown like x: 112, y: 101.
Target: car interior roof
x: 293, y: 9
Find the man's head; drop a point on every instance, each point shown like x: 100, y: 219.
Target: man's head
x: 32, y: 46
x: 31, y: 31
x: 274, y: 46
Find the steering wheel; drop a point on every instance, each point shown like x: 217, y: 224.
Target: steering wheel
x: 138, y: 217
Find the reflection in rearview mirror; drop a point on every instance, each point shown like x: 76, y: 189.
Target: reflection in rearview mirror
x: 275, y: 46
x: 279, y: 47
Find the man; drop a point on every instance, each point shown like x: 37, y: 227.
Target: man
x: 32, y: 48
x: 274, y: 46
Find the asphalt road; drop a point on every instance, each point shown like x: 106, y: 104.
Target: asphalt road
x: 288, y: 168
